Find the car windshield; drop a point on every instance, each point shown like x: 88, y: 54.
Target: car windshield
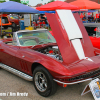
x: 35, y: 38
x: 13, y: 17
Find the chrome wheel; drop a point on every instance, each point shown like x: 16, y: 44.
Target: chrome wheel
x: 43, y: 81
x: 40, y: 81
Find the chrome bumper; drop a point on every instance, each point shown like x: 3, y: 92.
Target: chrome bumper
x: 89, y: 79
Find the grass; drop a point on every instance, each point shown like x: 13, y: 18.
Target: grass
x: 4, y: 31
x: 7, y: 30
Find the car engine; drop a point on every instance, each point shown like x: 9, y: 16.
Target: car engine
x: 52, y: 51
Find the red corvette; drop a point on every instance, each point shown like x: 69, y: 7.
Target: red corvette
x: 95, y: 41
x: 65, y: 59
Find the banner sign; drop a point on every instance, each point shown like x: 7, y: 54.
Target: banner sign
x: 94, y: 87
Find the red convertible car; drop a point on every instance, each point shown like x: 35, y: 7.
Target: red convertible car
x: 65, y: 59
x: 96, y: 40
x: 93, y: 30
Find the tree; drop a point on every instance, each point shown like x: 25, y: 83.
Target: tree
x: 25, y: 2
x: 15, y: 0
x: 1, y: 1
x: 51, y: 1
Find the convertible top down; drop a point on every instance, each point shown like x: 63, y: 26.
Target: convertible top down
x: 67, y: 58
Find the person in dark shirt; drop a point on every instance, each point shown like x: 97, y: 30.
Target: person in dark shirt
x: 44, y: 19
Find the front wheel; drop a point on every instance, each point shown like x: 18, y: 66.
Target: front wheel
x: 13, y: 25
x: 43, y: 82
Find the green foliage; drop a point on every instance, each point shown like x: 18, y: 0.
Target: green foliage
x: 51, y: 1
x: 25, y: 2
x: 15, y: 0
x: 1, y: 1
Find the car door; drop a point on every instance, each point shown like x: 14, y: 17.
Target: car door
x: 7, y: 54
x: 24, y: 60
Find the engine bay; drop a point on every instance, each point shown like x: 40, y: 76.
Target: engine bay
x: 52, y: 51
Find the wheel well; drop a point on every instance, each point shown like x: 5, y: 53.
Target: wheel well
x: 34, y: 65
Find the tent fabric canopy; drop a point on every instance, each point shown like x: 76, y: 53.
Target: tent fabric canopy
x: 74, y: 11
x: 15, y: 7
x: 86, y: 4
x: 43, y: 12
x: 56, y: 5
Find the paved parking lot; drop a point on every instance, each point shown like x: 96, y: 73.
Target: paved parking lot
x: 9, y: 83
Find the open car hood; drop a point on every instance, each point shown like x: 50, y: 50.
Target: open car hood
x: 71, y: 36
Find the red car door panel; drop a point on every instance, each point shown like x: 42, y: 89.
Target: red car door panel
x: 7, y: 54
x: 23, y: 62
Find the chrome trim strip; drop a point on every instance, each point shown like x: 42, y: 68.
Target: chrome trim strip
x: 16, y: 72
x: 89, y: 79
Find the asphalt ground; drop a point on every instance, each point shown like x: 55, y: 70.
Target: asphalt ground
x: 10, y: 83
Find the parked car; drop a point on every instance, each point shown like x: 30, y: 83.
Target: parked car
x: 96, y: 40
x: 5, y: 21
x: 37, y: 56
x: 94, y: 33
x: 14, y: 19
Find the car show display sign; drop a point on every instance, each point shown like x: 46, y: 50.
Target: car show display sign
x: 94, y: 87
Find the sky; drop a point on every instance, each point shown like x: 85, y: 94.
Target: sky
x: 35, y: 2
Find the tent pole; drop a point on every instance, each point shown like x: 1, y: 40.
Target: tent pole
x: 1, y: 25
x: 19, y: 21
x: 34, y: 20
x: 80, y: 13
